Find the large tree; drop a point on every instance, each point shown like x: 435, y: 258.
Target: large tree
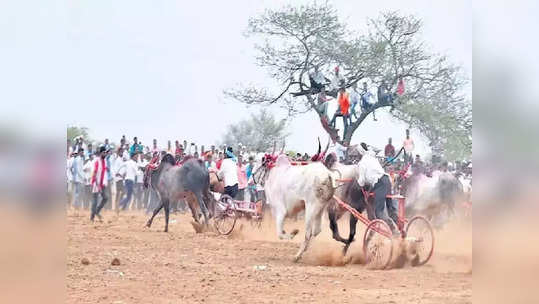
x: 258, y: 133
x: 294, y: 39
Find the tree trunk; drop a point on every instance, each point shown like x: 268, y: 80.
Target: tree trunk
x: 347, y: 136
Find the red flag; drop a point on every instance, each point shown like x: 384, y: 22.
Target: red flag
x: 400, y: 87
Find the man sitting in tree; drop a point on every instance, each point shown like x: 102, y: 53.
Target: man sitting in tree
x: 317, y: 80
x: 367, y: 100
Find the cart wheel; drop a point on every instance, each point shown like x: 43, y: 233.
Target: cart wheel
x: 226, y: 215
x: 377, y: 246
x: 420, y: 236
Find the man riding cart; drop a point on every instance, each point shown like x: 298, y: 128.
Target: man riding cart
x: 371, y: 175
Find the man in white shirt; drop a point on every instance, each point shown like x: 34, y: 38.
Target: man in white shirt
x: 88, y: 166
x: 128, y: 171
x: 367, y: 100
x: 338, y: 81
x: 355, y: 99
x: 229, y: 173
x: 139, y: 182
x: 371, y: 174
x: 118, y: 181
x: 78, y: 178
x: 69, y: 176
x: 317, y: 80
x: 339, y: 149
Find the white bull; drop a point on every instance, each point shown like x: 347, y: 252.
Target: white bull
x: 290, y: 189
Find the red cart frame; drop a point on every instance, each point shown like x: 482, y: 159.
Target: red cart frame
x: 228, y: 210
x: 377, y: 240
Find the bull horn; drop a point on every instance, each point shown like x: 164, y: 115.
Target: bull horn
x: 274, y: 146
x: 327, y: 146
x: 284, y: 144
x: 319, y: 147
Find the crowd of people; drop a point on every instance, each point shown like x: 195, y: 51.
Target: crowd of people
x: 350, y: 103
x: 112, y: 176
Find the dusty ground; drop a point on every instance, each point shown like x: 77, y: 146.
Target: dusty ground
x: 249, y: 266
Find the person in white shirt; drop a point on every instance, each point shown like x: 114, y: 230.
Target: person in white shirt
x: 317, y: 80
x: 128, y: 171
x: 78, y: 178
x: 355, y: 99
x: 339, y: 149
x: 229, y: 173
x: 125, y: 152
x: 338, y: 81
x: 118, y: 180
x: 88, y: 166
x: 372, y: 175
x: 69, y: 176
x: 139, y: 181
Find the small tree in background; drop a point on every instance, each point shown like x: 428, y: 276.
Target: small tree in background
x: 258, y: 133
x: 73, y: 131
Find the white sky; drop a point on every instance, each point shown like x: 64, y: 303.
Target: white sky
x: 157, y: 69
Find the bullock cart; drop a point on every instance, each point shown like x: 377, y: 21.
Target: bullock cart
x: 228, y: 210
x: 377, y: 239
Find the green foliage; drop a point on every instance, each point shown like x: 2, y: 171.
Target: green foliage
x: 258, y: 133
x: 448, y: 131
x: 73, y: 131
x: 298, y: 38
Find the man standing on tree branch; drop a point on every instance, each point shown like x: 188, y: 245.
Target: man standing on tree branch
x: 317, y: 80
x: 344, y: 106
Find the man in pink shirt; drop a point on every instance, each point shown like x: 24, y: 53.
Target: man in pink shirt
x: 242, y: 179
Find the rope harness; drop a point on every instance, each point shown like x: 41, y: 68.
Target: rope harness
x: 152, y: 166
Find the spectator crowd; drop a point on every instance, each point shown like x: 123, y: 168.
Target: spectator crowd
x: 111, y: 176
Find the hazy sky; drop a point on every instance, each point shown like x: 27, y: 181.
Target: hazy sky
x: 157, y: 69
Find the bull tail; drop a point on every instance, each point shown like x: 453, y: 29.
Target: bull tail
x: 326, y: 188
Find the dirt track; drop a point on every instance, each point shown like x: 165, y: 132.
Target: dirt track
x: 184, y: 267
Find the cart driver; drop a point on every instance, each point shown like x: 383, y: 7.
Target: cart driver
x: 372, y: 175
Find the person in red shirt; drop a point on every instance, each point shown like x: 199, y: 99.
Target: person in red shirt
x: 389, y: 151
x: 99, y: 183
x: 221, y: 157
x: 343, y: 110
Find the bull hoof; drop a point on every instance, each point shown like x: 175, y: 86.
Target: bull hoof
x: 166, y: 230
x: 198, y: 227
x: 148, y: 224
x: 294, y: 232
x: 296, y: 259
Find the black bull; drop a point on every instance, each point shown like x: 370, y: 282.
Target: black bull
x: 353, y: 195
x: 190, y: 181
